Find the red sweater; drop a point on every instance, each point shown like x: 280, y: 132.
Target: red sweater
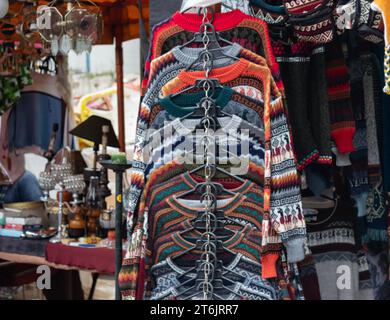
x: 235, y: 25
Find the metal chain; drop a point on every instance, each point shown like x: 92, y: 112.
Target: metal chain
x: 209, y: 247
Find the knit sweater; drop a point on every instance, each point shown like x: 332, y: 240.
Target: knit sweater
x: 339, y: 93
x: 331, y: 239
x: 166, y: 216
x: 283, y: 201
x: 166, y: 276
x: 186, y: 181
x: 234, y: 26
x: 303, y: 70
x: 298, y: 54
x: 230, y: 101
x: 133, y: 263
x: 182, y: 58
x: 236, y: 77
x: 236, y: 141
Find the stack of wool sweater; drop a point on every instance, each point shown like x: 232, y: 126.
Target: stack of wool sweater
x: 316, y: 82
x: 267, y: 225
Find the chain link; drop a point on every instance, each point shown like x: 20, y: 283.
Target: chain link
x: 209, y: 247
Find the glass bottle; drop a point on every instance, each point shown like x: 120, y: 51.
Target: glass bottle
x: 94, y: 211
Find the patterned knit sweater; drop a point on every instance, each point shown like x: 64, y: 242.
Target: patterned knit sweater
x: 234, y: 26
x: 242, y: 75
x: 286, y: 216
x: 338, y: 89
x: 168, y: 66
x: 236, y: 77
x: 236, y: 141
x: 181, y: 58
x: 282, y: 201
x: 228, y: 100
x: 332, y: 241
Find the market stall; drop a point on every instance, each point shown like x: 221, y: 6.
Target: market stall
x: 261, y: 159
x: 38, y: 36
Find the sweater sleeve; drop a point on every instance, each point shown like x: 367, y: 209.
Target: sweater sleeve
x: 137, y: 172
x: 286, y: 214
x: 339, y: 94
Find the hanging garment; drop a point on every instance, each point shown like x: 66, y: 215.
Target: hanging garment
x: 160, y: 13
x: 234, y: 26
x: 30, y: 122
x: 274, y: 218
x: 230, y: 101
x: 331, y: 239
x: 242, y: 75
x: 168, y: 65
x: 307, y: 102
x: 302, y: 69
x: 312, y: 20
x: 275, y: 15
x: 165, y: 277
x: 339, y: 94
x: 12, y: 161
x: 282, y: 153
x: 376, y: 215
x: 238, y: 142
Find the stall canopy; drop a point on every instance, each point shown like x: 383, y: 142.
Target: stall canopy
x: 120, y: 16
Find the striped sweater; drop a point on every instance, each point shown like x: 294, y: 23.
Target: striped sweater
x: 235, y: 26
x: 242, y: 76
x: 230, y: 101
x: 282, y: 198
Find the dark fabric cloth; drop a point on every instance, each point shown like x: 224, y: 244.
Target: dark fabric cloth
x: 144, y: 41
x: 160, y: 11
x: 31, y: 121
x: 339, y: 97
x: 319, y: 106
x: 23, y: 246
x: 65, y: 285
x: 379, y: 269
x: 25, y: 189
x: 100, y: 259
x: 309, y: 278
x: 304, y: 77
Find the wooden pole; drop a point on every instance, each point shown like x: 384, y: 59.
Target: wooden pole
x: 120, y: 89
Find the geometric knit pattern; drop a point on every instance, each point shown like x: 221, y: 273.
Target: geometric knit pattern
x: 282, y: 198
x: 235, y: 26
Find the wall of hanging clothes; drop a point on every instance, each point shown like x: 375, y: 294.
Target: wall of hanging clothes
x: 261, y: 163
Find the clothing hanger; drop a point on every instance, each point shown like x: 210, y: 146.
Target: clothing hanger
x: 186, y: 6
x: 217, y: 280
x: 199, y: 84
x: 214, y: 54
x: 213, y: 36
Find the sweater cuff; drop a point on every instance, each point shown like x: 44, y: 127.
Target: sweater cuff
x: 268, y: 265
x: 295, y: 249
x: 344, y: 139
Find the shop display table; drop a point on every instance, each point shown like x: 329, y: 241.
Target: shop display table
x: 59, y: 256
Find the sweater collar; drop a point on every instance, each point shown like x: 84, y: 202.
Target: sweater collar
x: 224, y: 74
x: 222, y: 21
x: 187, y: 56
x: 182, y: 105
x: 187, y: 126
x: 268, y: 7
x: 243, y: 188
x: 193, y: 206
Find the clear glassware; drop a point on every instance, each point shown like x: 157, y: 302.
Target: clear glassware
x: 47, y: 183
